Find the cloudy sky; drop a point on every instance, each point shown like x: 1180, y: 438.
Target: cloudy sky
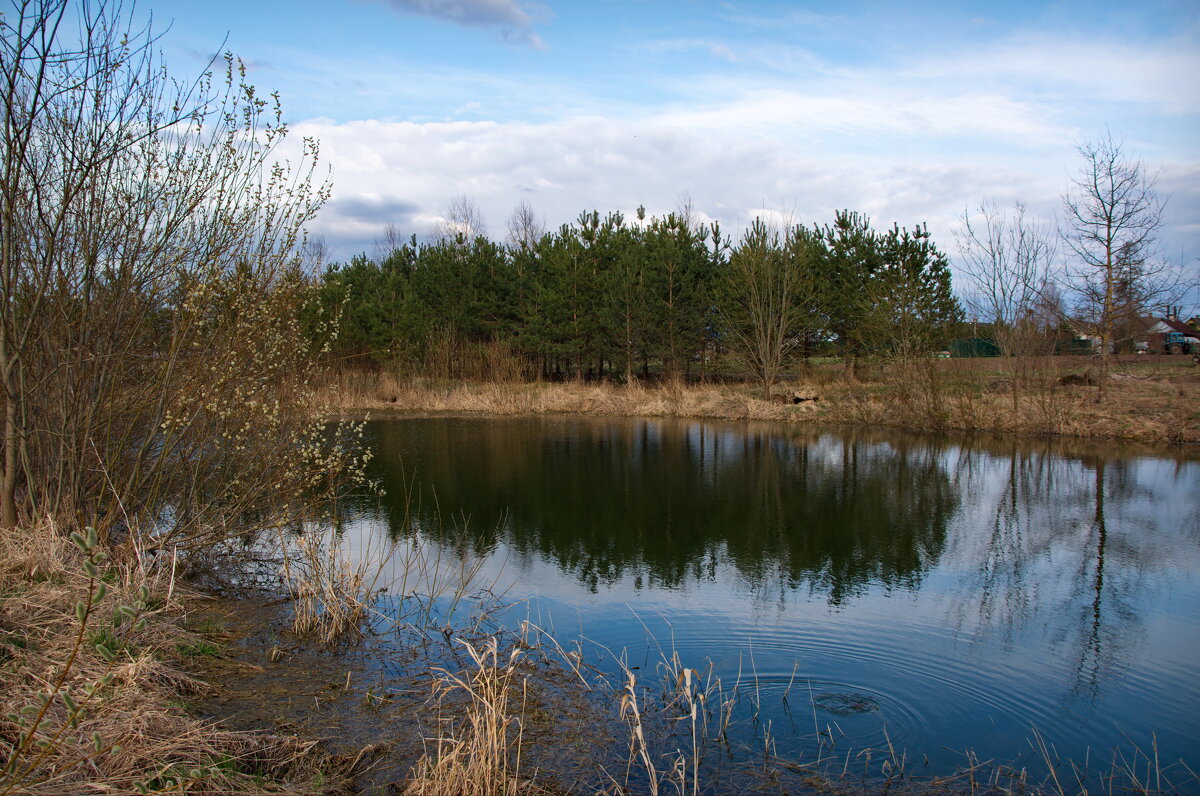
x: 908, y: 112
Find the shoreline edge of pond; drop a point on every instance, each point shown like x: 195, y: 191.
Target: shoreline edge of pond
x: 1158, y: 411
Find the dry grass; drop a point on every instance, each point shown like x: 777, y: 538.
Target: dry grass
x: 332, y: 591
x: 105, y: 720
x: 480, y: 750
x: 1146, y: 401
x: 1152, y: 399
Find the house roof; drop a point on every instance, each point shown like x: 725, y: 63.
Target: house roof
x: 1178, y: 326
x: 1164, y: 325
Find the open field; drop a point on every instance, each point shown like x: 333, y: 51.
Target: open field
x: 1149, y: 399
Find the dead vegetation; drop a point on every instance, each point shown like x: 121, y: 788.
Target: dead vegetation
x: 504, y: 708
x: 479, y: 748
x: 675, y: 725
x: 1150, y: 399
x: 96, y: 670
x: 332, y: 591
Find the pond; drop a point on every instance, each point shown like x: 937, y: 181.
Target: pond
x: 950, y: 599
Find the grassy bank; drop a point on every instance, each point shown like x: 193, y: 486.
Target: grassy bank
x: 100, y: 662
x: 1148, y: 399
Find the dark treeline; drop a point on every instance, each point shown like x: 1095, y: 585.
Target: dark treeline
x: 608, y: 297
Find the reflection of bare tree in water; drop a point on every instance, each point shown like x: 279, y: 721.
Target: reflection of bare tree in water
x: 1055, y: 559
x: 1107, y: 618
x: 1003, y: 588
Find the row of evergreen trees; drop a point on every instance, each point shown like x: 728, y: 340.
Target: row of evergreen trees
x: 607, y: 297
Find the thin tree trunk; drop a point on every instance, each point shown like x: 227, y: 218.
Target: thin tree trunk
x: 8, y: 475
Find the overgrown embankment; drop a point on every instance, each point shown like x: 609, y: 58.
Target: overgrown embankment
x: 1155, y: 400
x: 99, y: 664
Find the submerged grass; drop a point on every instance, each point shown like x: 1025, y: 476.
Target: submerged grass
x: 676, y: 741
x: 677, y: 734
x: 489, y: 727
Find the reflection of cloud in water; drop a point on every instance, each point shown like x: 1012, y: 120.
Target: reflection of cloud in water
x: 1071, y: 549
x: 1029, y: 582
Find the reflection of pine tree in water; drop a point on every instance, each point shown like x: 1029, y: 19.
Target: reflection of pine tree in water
x: 668, y: 499
x: 876, y: 513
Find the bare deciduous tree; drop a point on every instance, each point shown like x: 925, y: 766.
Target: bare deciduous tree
x: 463, y: 221
x: 1007, y: 259
x: 388, y: 242
x: 685, y: 211
x: 1113, y: 215
x: 525, y: 229
x: 316, y: 254
x: 767, y: 294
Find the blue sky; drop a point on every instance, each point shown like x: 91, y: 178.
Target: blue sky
x: 909, y: 112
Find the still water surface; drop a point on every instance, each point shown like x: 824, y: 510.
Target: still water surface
x: 940, y: 594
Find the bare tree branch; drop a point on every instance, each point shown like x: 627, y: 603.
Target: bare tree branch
x: 1113, y: 216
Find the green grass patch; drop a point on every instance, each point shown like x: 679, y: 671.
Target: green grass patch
x: 9, y: 642
x: 181, y: 704
x: 104, y: 635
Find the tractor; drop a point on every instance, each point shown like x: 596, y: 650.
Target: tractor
x: 1179, y: 343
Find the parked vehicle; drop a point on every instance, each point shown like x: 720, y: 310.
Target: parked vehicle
x: 1179, y: 343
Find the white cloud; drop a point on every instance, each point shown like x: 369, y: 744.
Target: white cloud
x: 810, y: 20
x: 911, y: 144
x: 565, y: 167
x: 872, y: 113
x: 715, y: 49
x: 1076, y: 70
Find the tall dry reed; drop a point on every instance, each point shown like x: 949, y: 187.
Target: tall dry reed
x: 332, y: 587
x: 480, y: 750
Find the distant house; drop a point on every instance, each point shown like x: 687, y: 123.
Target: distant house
x: 1082, y: 341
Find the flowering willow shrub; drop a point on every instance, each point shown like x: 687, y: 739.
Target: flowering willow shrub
x: 238, y: 446
x: 155, y: 383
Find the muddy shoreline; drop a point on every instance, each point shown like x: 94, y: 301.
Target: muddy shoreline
x: 377, y: 702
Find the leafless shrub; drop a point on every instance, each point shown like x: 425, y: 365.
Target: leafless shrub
x: 150, y: 257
